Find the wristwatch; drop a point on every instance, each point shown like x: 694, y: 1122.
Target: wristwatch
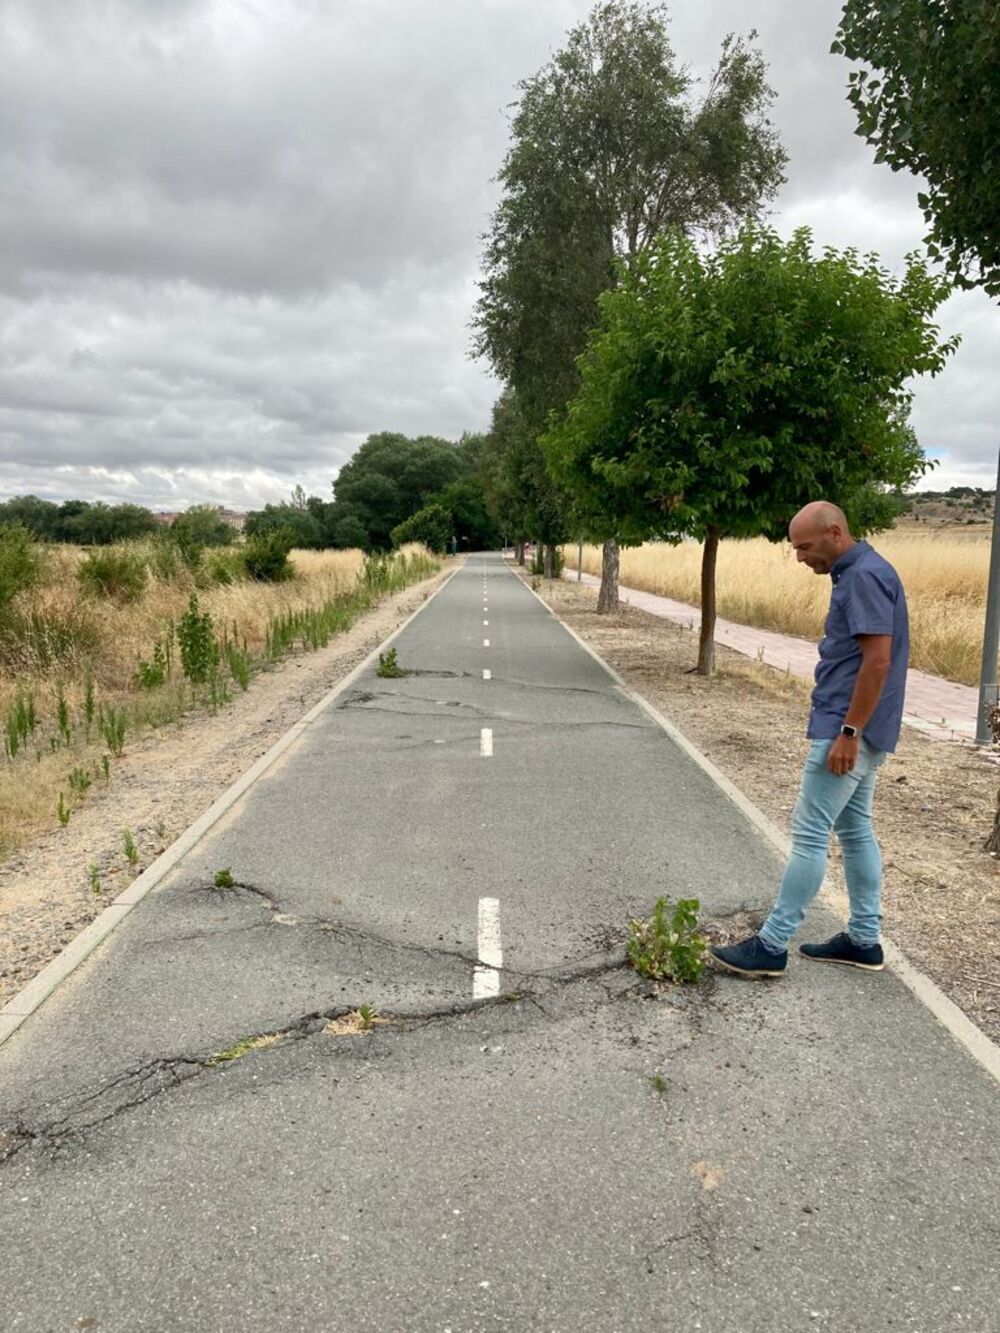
x: 848, y: 730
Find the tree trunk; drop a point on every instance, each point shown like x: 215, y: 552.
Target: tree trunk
x: 547, y: 561
x: 992, y: 843
x: 520, y: 553
x: 607, y: 598
x: 706, y: 639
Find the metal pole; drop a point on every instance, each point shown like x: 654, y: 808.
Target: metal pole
x: 579, y: 561
x: 991, y: 635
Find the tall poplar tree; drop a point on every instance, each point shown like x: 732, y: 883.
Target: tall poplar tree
x: 612, y: 143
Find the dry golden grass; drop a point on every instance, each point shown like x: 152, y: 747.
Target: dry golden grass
x: 111, y: 637
x: 944, y: 573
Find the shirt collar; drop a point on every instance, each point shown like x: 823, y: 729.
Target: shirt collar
x: 847, y: 560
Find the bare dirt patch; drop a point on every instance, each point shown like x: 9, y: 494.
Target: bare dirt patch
x: 934, y: 802
x: 162, y: 783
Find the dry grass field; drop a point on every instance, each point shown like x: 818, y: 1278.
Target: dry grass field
x: 57, y: 637
x: 944, y: 572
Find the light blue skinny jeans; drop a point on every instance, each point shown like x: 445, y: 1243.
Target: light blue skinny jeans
x: 843, y: 804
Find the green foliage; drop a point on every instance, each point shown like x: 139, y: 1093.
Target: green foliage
x: 106, y: 767
x: 388, y: 665
x: 94, y: 877
x: 20, y: 567
x: 20, y: 723
x: 555, y: 558
x: 367, y: 1013
x: 199, y: 526
x: 130, y: 847
x: 152, y: 674
x: 223, y: 879
x: 390, y: 478
x: 62, y: 715
x: 113, y: 728
x: 725, y: 390
x: 238, y: 661
x: 62, y: 810
x: 222, y: 567
x: 199, y: 650
x: 265, y: 556
x: 668, y: 946
x: 928, y: 100
x: 431, y: 525
x: 306, y: 528
x: 89, y: 702
x: 79, y: 780
x: 117, y: 573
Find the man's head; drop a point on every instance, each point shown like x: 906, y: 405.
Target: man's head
x: 820, y: 535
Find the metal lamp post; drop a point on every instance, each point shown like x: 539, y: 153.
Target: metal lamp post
x: 991, y: 634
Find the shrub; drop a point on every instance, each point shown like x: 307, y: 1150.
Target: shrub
x: 114, y: 572
x: 662, y: 948
x: 199, y: 651
x: 19, y: 563
x: 265, y: 556
x: 433, y: 525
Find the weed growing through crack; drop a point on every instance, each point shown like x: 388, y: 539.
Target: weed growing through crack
x: 366, y: 1016
x: 388, y: 665
x: 659, y: 1083
x: 241, y: 1048
x: 131, y: 849
x: 224, y: 879
x: 668, y: 946
x: 94, y: 877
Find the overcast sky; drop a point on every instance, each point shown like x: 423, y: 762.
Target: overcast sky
x: 237, y: 236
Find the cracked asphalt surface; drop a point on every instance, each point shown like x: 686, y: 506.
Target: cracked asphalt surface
x: 584, y: 1152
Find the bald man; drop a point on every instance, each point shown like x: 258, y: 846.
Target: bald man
x: 854, y: 721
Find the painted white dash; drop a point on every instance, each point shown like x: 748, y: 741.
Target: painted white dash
x: 486, y: 742
x: 486, y: 622
x: 490, y: 948
x: 485, y: 983
x: 487, y: 674
x: 486, y: 643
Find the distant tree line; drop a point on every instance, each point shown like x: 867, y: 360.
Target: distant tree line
x: 393, y: 490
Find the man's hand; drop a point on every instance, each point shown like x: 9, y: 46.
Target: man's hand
x: 842, y: 755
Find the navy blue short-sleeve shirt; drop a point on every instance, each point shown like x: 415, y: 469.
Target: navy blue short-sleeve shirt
x: 867, y: 598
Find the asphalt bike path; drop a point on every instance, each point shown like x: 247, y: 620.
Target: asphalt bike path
x: 538, y: 1140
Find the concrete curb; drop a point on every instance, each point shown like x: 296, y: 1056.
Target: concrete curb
x: 961, y: 1027
x: 41, y: 986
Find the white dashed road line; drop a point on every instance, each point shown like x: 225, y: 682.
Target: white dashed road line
x: 487, y: 674
x: 486, y: 978
x: 486, y: 742
x: 486, y: 643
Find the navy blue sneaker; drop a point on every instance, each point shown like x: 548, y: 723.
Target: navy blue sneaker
x: 750, y: 958
x: 842, y: 949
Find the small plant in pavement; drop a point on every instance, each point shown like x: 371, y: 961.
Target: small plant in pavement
x: 668, y: 946
x: 388, y: 666
x: 224, y: 879
x: 366, y: 1016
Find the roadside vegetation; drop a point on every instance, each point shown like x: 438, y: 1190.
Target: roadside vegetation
x: 98, y: 645
x: 760, y: 583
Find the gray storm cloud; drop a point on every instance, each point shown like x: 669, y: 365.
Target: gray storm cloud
x: 236, y: 237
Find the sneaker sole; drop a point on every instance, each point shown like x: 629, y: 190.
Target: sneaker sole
x: 747, y: 972
x: 845, y: 962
